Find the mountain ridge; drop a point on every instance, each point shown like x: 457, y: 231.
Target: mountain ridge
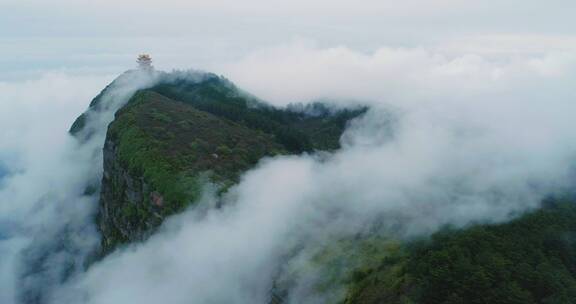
x: 186, y: 131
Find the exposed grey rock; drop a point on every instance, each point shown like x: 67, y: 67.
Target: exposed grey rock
x: 129, y: 209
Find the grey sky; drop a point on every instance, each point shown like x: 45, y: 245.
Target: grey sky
x: 105, y: 35
x: 469, y: 80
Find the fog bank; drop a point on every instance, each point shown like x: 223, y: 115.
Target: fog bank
x: 449, y: 140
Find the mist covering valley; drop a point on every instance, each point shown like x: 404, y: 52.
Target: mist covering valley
x: 446, y: 142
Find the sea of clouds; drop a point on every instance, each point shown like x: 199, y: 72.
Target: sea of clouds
x: 450, y: 139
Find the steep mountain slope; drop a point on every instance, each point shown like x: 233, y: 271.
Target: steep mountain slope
x: 157, y: 157
x: 188, y: 131
x: 185, y: 132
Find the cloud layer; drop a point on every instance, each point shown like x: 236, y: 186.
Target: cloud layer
x: 107, y: 35
x: 47, y: 229
x: 450, y: 139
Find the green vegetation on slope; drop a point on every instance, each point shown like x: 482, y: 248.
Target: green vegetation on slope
x: 171, y: 144
x: 297, y: 131
x: 188, y: 129
x: 529, y: 260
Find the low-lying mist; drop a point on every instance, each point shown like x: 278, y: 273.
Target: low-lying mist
x: 47, y: 229
x: 448, y: 140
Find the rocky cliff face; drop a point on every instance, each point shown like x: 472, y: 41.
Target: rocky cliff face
x: 129, y: 210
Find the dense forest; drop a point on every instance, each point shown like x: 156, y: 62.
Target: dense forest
x: 529, y: 260
x: 304, y: 129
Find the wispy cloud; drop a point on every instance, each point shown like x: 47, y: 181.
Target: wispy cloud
x: 449, y: 140
x: 47, y: 228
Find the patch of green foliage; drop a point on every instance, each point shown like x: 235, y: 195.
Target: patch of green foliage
x: 351, y: 260
x: 171, y: 144
x: 113, y: 239
x: 296, y: 131
x: 144, y: 157
x: 529, y: 260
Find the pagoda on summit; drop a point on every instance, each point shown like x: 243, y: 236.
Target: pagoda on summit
x: 144, y: 62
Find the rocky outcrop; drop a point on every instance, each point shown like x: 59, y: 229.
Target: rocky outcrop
x: 129, y: 209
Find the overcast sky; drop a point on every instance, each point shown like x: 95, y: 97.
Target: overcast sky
x: 479, y: 96
x: 105, y: 35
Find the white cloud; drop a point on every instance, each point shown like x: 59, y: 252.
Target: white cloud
x: 481, y: 94
x: 46, y: 221
x: 34, y: 118
x: 301, y: 71
x: 474, y: 139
